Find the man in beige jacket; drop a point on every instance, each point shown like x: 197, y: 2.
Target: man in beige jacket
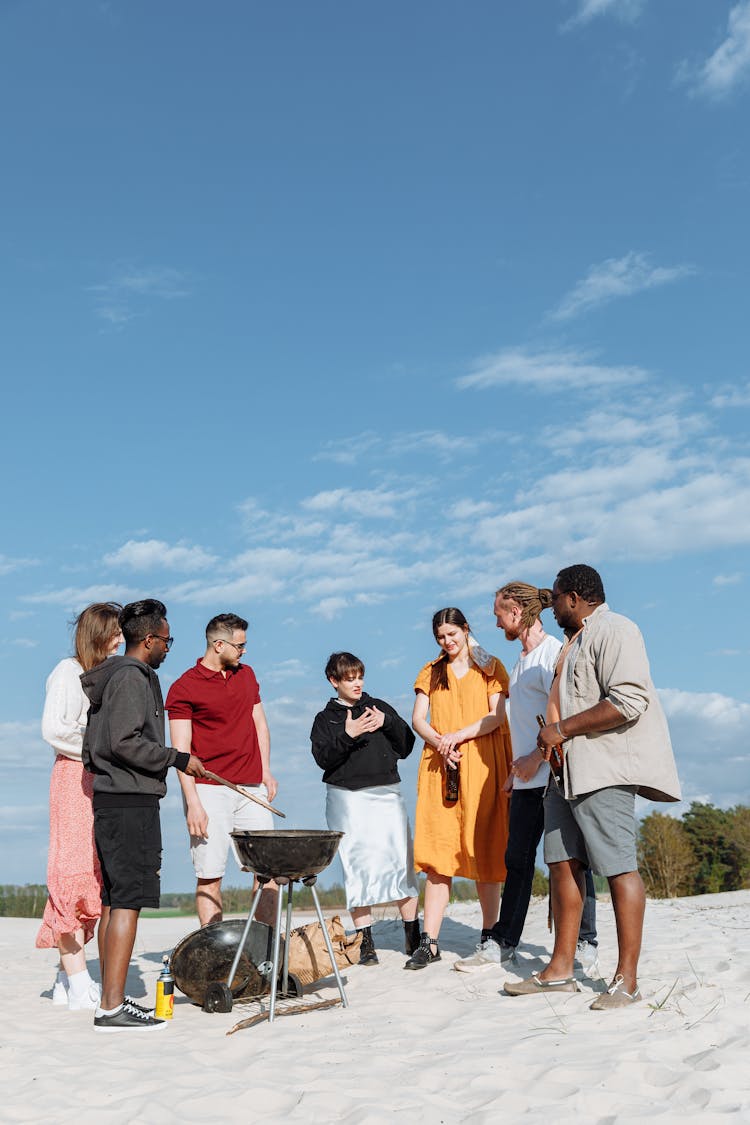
x: 605, y: 714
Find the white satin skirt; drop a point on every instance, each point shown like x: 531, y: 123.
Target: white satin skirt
x: 376, y: 851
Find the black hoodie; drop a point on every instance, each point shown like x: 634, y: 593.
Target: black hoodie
x: 357, y: 763
x: 123, y: 744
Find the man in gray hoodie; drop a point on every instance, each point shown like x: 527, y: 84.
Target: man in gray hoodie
x: 123, y: 747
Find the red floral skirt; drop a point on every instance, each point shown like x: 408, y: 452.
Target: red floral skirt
x: 73, y: 876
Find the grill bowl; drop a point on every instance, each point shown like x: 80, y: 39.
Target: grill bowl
x: 291, y: 853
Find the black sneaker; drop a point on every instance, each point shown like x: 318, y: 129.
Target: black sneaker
x: 423, y: 956
x: 128, y: 1018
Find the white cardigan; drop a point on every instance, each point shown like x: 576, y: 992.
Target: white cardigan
x: 66, y: 709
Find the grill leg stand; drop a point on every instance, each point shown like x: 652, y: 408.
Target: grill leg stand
x: 310, y: 882
x: 276, y: 950
x: 285, y: 970
x: 245, y: 932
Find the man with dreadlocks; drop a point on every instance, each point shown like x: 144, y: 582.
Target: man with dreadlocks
x: 605, y: 719
x: 518, y: 607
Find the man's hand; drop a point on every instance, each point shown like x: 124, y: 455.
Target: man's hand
x: 525, y: 767
x: 195, y: 767
x: 196, y: 819
x: 271, y: 784
x: 548, y: 737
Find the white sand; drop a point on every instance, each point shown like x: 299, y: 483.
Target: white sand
x: 435, y: 1045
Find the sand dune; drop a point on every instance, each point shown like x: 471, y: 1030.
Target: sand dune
x: 436, y: 1045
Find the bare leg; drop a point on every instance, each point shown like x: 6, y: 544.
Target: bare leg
x: 208, y: 901
x: 118, y: 949
x: 629, y: 905
x: 72, y: 955
x: 568, y: 888
x: 361, y: 916
x: 267, y: 905
x: 408, y: 908
x: 489, y: 900
x: 437, y: 893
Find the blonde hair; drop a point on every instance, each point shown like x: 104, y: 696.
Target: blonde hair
x: 530, y: 599
x: 96, y: 627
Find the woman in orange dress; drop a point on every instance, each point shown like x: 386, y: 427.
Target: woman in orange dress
x: 460, y: 713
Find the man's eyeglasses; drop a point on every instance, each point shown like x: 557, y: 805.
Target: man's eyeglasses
x: 168, y: 641
x: 240, y: 647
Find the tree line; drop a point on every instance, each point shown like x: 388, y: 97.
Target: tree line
x: 706, y: 851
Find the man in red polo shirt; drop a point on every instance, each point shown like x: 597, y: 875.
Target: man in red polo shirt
x: 215, y: 712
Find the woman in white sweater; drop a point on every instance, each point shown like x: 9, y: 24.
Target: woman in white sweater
x: 73, y: 877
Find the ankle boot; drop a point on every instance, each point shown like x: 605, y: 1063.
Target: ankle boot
x: 367, y: 954
x: 412, y: 936
x: 423, y: 955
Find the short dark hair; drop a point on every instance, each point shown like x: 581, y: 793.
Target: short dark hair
x: 341, y: 664
x: 139, y: 619
x: 224, y: 623
x: 582, y: 580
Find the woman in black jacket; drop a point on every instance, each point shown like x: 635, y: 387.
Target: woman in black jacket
x: 357, y: 741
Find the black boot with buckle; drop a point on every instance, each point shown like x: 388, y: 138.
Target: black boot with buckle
x: 412, y: 937
x: 367, y: 954
x: 423, y: 955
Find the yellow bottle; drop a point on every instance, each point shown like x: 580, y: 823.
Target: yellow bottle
x: 164, y: 993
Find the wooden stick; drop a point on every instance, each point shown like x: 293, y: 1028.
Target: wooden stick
x: 244, y: 793
x: 261, y: 1016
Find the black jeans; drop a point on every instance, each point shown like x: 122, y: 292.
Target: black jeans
x: 525, y: 832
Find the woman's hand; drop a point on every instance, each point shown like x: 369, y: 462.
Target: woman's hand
x: 448, y: 744
x: 370, y: 720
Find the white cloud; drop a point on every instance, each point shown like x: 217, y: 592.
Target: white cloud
x: 9, y: 565
x: 727, y: 579
x: 707, y: 706
x: 77, y: 598
x: 627, y: 426
x: 328, y: 608
x: 625, y: 10
x: 345, y: 451
x: 729, y: 65
x: 546, y: 370
x: 629, y: 507
x: 286, y: 670
x: 617, y: 277
x: 122, y: 295
x: 153, y: 554
x: 713, y: 758
x: 732, y: 396
x: 377, y: 503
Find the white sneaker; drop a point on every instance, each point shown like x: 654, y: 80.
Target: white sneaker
x: 488, y: 953
x: 59, y: 995
x: 88, y: 1002
x: 587, y: 956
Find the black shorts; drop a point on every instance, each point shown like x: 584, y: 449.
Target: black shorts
x: 128, y: 842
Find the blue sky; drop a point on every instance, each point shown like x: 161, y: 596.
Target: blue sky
x: 332, y: 315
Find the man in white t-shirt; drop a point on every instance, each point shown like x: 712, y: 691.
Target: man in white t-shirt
x: 517, y: 610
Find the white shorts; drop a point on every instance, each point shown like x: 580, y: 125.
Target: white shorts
x: 227, y: 812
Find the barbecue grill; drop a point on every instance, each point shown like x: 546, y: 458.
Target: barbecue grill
x: 287, y: 857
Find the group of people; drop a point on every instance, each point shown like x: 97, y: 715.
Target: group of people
x: 485, y: 791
